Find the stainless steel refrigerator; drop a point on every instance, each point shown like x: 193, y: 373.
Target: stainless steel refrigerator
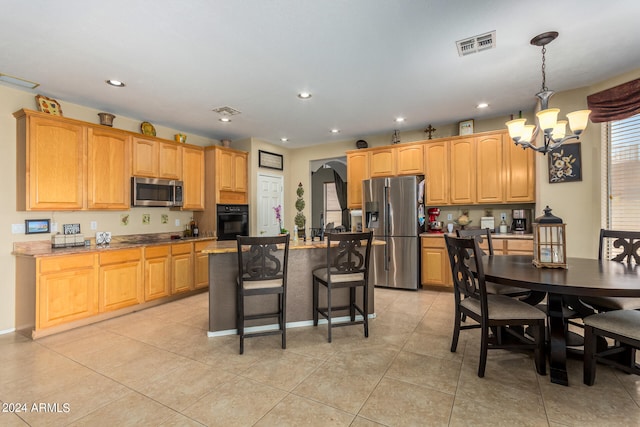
x: 393, y: 210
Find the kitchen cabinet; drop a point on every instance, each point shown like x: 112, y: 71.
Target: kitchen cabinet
x: 436, y: 160
x: 410, y: 159
x: 231, y: 175
x: 489, y: 169
x: 120, y: 279
x: 156, y: 159
x: 520, y: 174
x: 50, y: 162
x: 357, y: 171
x: 382, y: 162
x: 193, y: 178
x: 157, y: 272
x: 181, y: 268
x: 462, y: 171
x: 435, y: 266
x: 66, y: 289
x: 201, y: 265
x: 108, y: 174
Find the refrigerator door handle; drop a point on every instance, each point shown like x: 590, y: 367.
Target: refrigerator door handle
x: 387, y: 231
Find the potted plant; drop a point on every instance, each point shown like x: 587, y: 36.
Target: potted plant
x: 300, y: 219
x: 278, y: 211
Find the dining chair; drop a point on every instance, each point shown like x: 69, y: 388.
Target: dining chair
x: 490, y: 310
x: 262, y: 270
x: 621, y: 326
x: 347, y: 267
x: 629, y: 242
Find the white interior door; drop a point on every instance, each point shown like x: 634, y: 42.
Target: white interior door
x: 270, y: 195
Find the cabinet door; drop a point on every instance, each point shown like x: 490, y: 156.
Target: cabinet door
x: 519, y: 247
x: 108, y: 177
x: 145, y: 158
x: 193, y: 178
x: 435, y: 263
x: 382, y: 162
x: 55, y: 167
x: 357, y: 170
x: 181, y: 268
x: 157, y: 272
x: 410, y: 159
x: 120, y: 279
x: 240, y: 172
x: 437, y: 173
x: 201, y: 268
x: 490, y: 172
x: 169, y: 160
x: 520, y: 173
x: 463, y: 171
x: 224, y: 170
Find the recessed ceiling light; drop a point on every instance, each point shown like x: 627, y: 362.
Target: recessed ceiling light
x: 335, y: 130
x: 225, y: 119
x: 399, y: 119
x: 482, y: 105
x: 116, y: 83
x: 284, y: 139
x: 304, y: 95
x: 16, y: 81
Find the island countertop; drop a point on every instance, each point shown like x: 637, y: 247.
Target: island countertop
x: 231, y: 246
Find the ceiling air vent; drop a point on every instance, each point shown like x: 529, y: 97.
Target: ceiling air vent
x: 226, y: 111
x: 476, y: 44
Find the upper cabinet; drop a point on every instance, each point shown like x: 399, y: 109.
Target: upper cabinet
x: 107, y: 169
x: 193, y: 177
x: 520, y: 174
x: 382, y: 162
x: 357, y: 171
x: 436, y: 162
x: 50, y: 162
x: 462, y: 167
x: 489, y: 169
x: 410, y: 159
x: 156, y: 159
x: 230, y: 181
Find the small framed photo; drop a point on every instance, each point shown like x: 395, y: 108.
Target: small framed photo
x: 36, y: 226
x: 270, y: 160
x: 48, y: 105
x: 465, y: 127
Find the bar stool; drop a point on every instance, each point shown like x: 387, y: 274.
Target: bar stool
x: 262, y: 270
x: 347, y: 267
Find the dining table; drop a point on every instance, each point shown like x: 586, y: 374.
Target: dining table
x: 582, y: 277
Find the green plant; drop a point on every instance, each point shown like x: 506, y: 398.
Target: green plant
x: 300, y: 219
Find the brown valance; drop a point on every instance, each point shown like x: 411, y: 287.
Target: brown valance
x: 616, y: 103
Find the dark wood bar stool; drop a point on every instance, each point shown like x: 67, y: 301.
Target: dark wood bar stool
x: 347, y: 267
x: 262, y: 270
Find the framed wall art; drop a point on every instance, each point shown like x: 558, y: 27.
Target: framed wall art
x: 565, y: 164
x: 36, y: 226
x: 270, y: 160
x: 465, y: 127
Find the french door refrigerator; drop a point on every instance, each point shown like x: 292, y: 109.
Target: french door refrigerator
x: 394, y: 212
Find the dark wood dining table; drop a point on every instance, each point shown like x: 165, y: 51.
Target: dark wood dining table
x: 582, y: 277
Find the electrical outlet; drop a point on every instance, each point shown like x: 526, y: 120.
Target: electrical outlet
x: 54, y: 227
x: 449, y: 217
x: 177, y: 222
x: 94, y: 225
x: 503, y: 216
x: 17, y: 228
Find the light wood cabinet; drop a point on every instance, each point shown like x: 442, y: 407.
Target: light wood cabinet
x: 382, y: 162
x: 157, y: 272
x: 489, y: 169
x: 181, y: 268
x: 201, y: 265
x: 410, y: 158
x: 156, y: 159
x: 436, y: 160
x: 120, y: 279
x: 357, y: 171
x: 435, y: 266
x: 462, y: 171
x: 520, y: 174
x: 108, y: 169
x: 231, y: 175
x: 66, y: 289
x: 193, y: 178
x: 50, y: 162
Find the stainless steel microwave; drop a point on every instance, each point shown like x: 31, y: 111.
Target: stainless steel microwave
x: 156, y: 192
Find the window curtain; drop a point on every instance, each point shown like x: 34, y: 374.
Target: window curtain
x: 616, y: 103
x: 341, y: 191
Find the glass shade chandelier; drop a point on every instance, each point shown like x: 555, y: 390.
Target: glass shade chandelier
x: 554, y: 130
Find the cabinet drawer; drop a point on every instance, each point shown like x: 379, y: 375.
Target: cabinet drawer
x: 181, y: 248
x: 62, y: 263
x: 199, y: 246
x: 433, y: 242
x: 156, y: 251
x: 114, y: 257
x: 520, y: 245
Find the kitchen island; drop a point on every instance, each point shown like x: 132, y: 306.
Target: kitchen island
x: 304, y: 257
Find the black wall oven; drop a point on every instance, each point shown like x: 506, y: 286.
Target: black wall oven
x: 233, y: 220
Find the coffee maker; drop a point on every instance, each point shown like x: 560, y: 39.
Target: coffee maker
x: 521, y: 221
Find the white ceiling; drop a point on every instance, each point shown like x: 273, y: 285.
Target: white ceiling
x: 365, y: 61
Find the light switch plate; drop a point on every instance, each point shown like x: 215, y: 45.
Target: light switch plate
x: 177, y: 222
x: 17, y: 229
x: 94, y: 225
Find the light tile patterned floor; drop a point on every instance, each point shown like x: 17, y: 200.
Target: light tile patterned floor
x: 157, y: 367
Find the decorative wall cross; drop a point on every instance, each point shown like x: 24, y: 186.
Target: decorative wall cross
x: 430, y: 130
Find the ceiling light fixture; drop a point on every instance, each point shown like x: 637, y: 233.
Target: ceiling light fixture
x: 335, y: 130
x: 399, y: 119
x: 304, y: 95
x: 116, y: 83
x: 16, y: 81
x: 482, y: 105
x: 225, y: 119
x: 555, y: 131
x: 284, y: 139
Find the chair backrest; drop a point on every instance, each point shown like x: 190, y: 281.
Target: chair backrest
x: 629, y: 241
x: 482, y: 233
x: 263, y: 258
x: 344, y: 253
x: 463, y: 252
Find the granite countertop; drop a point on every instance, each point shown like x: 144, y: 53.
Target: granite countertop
x: 43, y: 248
x: 493, y: 235
x: 230, y: 246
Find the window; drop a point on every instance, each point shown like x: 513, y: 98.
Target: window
x: 621, y: 152
x: 332, y: 210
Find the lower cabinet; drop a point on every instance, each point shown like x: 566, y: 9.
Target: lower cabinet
x: 157, y: 272
x: 181, y: 268
x: 435, y: 268
x: 120, y: 279
x: 201, y: 267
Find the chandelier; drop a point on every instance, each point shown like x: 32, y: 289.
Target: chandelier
x: 554, y: 130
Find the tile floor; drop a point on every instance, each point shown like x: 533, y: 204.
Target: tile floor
x: 157, y: 367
